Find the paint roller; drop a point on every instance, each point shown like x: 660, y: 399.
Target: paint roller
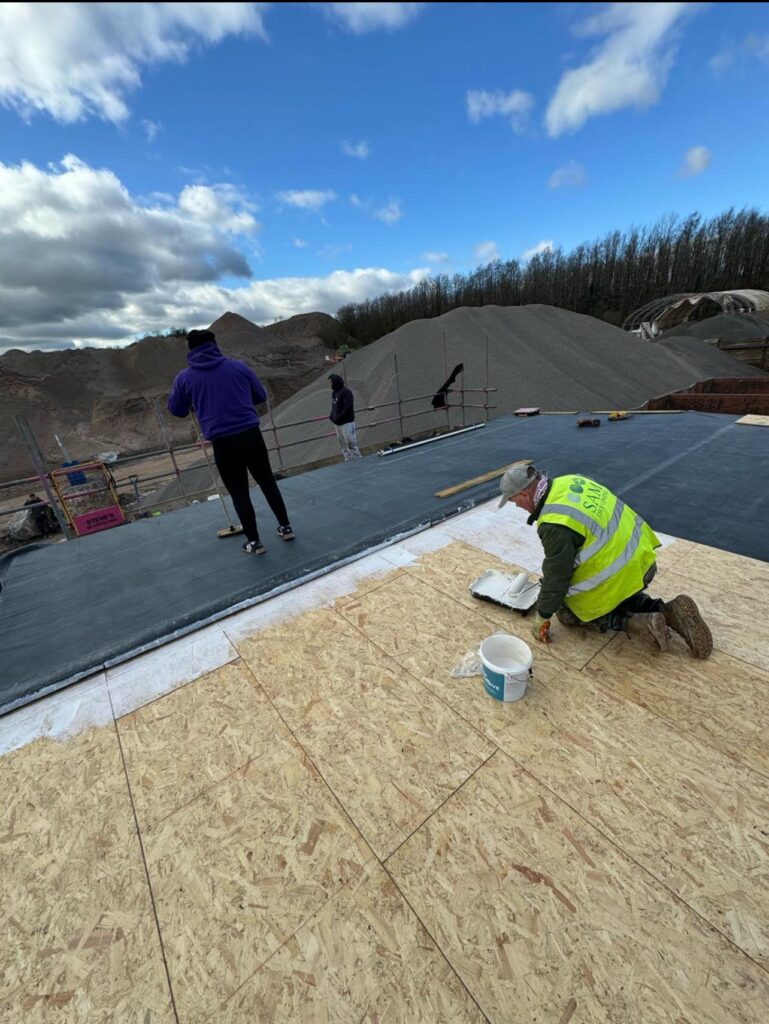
x: 520, y: 580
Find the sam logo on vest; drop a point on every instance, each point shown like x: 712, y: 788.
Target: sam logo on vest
x: 576, y: 488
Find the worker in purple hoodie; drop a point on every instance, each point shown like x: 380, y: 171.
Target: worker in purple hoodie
x: 223, y: 393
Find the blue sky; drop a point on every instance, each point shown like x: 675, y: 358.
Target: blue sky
x: 162, y: 163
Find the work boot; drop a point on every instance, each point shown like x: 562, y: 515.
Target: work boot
x: 567, y: 617
x: 683, y: 616
x: 651, y: 624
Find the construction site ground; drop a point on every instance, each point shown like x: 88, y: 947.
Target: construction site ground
x: 296, y: 815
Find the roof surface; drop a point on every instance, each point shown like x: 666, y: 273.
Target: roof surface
x: 101, y: 599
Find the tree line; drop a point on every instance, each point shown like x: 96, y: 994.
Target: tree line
x: 608, y: 278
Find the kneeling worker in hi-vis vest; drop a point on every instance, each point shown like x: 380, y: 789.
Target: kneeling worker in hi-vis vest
x: 599, y: 560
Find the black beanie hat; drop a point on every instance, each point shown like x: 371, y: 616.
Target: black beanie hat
x: 195, y: 338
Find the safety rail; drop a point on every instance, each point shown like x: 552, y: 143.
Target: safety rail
x: 49, y: 479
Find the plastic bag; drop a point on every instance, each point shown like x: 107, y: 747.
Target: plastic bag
x: 470, y: 665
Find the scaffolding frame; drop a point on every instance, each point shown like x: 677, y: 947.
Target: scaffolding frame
x: 47, y: 477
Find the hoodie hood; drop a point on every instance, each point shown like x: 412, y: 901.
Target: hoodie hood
x: 336, y: 382
x: 205, y: 357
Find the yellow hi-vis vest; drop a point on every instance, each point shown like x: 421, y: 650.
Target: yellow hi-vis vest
x: 618, y: 549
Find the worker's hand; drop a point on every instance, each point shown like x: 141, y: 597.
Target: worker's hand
x: 541, y: 629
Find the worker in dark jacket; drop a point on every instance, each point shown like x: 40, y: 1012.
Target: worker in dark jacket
x: 342, y: 415
x: 599, y: 560
x: 42, y: 514
x: 223, y: 393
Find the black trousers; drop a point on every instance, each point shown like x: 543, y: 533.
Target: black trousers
x: 236, y: 456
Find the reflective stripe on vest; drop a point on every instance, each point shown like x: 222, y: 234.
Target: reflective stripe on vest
x: 618, y: 546
x: 619, y: 562
x: 603, y: 534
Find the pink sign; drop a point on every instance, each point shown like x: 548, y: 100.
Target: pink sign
x: 98, y: 519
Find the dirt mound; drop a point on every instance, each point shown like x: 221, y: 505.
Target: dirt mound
x: 317, y: 326
x: 97, y: 399
x: 538, y: 356
x: 235, y: 330
x: 729, y: 326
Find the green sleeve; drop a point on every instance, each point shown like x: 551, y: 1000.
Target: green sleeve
x: 561, y: 546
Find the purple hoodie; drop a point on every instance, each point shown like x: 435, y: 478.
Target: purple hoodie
x: 222, y: 391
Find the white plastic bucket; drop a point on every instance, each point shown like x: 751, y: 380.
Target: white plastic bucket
x: 506, y: 662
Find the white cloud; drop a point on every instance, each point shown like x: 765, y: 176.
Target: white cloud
x: 752, y: 47
x: 515, y: 106
x: 300, y: 243
x: 78, y: 60
x: 355, y: 200
x: 151, y: 128
x: 628, y: 69
x: 362, y: 18
x: 262, y: 301
x: 76, y: 247
x: 390, y: 213
x: 84, y: 261
x: 571, y: 175
x: 307, y: 199
x: 696, y: 160
x: 486, y: 252
x: 222, y: 206
x: 357, y: 149
x: 544, y: 246
x: 435, y: 257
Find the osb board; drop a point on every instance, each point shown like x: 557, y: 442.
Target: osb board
x: 733, y: 594
x: 669, y: 556
x: 78, y: 940
x: 688, y: 814
x: 194, y: 737
x: 389, y: 750
x: 754, y: 421
x: 240, y: 867
x: 331, y: 658
x: 364, y: 958
x: 738, y: 617
x: 721, y: 701
x: 726, y: 572
x: 428, y: 634
x: 451, y: 571
x: 545, y: 919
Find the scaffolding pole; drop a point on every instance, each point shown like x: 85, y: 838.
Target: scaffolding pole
x: 43, y: 472
x: 65, y: 453
x: 274, y: 432
x: 487, y: 378
x: 398, y: 394
x: 169, y: 446
x: 445, y: 377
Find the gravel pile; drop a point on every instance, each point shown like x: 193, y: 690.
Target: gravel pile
x: 538, y: 356
x: 729, y: 326
x: 709, y: 360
